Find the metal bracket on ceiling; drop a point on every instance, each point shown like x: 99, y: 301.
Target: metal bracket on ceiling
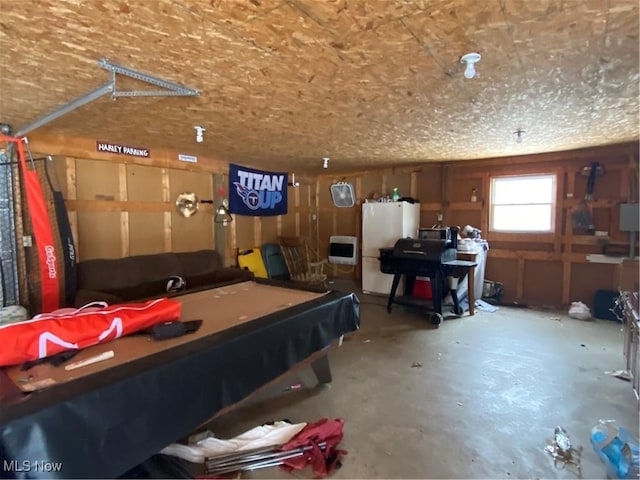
x: 171, y: 89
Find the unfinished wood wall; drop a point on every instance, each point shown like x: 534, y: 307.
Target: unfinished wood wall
x: 122, y: 208
x: 552, y: 269
x: 117, y: 209
x: 542, y: 270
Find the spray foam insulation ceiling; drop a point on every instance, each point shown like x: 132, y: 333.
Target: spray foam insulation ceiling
x: 368, y: 83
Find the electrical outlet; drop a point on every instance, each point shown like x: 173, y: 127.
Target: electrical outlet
x: 313, y: 216
x: 440, y: 217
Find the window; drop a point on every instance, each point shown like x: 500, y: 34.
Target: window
x: 524, y: 203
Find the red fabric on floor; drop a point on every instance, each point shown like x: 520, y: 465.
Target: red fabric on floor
x: 322, y: 461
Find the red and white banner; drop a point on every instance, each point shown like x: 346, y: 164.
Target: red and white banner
x: 42, y: 232
x: 51, y: 333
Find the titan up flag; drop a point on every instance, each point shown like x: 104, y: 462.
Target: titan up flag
x: 256, y: 192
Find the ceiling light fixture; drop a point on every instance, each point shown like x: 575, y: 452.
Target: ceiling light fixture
x: 518, y: 133
x: 470, y: 59
x: 325, y: 162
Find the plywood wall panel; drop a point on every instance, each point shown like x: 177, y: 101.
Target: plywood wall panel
x: 288, y: 225
x: 602, y: 218
x: 605, y: 186
x: 629, y: 280
x: 244, y: 226
x: 400, y: 180
x: 347, y: 221
x: 144, y: 184
x: 58, y: 171
x: 504, y: 271
x: 199, y: 183
x: 99, y: 235
x: 308, y: 229
x: 461, y: 189
x: 429, y: 219
x: 371, y: 186
x: 193, y: 233
x: 324, y: 192
x: 146, y: 233
x: 97, y: 180
x: 462, y: 218
x: 429, y: 184
x: 269, y: 230
x: 587, y: 279
x: 325, y: 228
x: 543, y: 284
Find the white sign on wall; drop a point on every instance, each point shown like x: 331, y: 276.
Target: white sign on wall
x: 187, y: 158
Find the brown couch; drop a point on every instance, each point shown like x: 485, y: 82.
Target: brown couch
x: 145, y: 276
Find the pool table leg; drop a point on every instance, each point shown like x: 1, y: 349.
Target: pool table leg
x: 322, y: 369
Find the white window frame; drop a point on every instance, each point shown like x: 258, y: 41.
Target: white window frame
x: 552, y: 220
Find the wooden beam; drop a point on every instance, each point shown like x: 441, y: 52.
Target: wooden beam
x: 520, y: 278
x: 296, y: 199
x: 125, y: 247
x: 85, y: 148
x: 166, y: 215
x: 413, y: 192
x: 582, y: 155
x: 521, y: 237
x: 72, y: 194
x: 558, y: 213
x: 133, y: 206
x: 566, y: 282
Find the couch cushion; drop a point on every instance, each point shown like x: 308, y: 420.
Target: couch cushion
x: 198, y: 263
x: 109, y: 274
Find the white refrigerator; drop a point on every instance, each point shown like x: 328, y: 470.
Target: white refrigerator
x: 383, y: 223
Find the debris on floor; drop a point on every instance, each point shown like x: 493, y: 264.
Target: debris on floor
x: 367, y: 341
x: 292, y: 447
x: 295, y: 386
x: 579, y: 311
x: 557, y: 319
x: 621, y: 374
x: 416, y: 364
x: 617, y: 448
x: 201, y: 446
x: 563, y: 452
x: 485, y: 306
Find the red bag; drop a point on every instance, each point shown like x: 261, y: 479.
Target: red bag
x: 51, y: 333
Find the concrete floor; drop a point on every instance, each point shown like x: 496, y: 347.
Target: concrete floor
x: 483, y: 404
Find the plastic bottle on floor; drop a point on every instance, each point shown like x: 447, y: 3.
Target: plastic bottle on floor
x: 617, y: 448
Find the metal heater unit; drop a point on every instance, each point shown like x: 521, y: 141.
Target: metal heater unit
x: 343, y: 250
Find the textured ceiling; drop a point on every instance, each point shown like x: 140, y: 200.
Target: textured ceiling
x: 368, y: 83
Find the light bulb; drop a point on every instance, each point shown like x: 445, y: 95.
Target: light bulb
x: 470, y: 71
x: 470, y: 59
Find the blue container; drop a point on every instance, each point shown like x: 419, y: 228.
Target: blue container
x: 618, y: 450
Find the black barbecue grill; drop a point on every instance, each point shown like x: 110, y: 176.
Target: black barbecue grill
x: 432, y: 255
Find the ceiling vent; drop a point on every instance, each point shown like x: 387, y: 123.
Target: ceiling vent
x: 343, y: 195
